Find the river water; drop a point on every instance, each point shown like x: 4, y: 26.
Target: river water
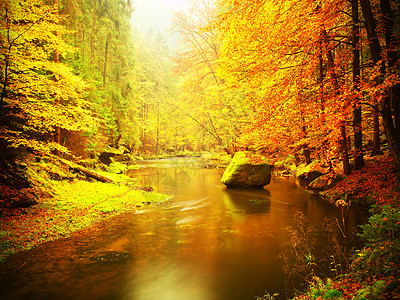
x: 206, y: 243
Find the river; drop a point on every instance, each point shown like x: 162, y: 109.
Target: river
x: 206, y: 243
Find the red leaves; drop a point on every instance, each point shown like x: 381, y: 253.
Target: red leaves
x: 377, y: 179
x: 11, y: 197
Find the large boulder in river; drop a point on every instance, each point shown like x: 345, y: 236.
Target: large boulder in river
x: 247, y: 170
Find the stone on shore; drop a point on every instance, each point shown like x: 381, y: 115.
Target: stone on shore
x: 325, y: 182
x: 247, y: 170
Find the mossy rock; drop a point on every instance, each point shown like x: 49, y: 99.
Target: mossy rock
x: 247, y: 170
x: 325, y: 182
x: 117, y: 168
x: 310, y: 172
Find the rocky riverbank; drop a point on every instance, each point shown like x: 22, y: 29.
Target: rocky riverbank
x: 375, y: 183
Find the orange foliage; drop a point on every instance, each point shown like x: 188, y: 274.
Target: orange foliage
x: 292, y: 60
x: 376, y: 179
x: 272, y: 51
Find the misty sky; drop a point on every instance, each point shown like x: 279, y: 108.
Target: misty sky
x: 156, y: 15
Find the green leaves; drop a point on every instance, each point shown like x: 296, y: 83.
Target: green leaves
x: 381, y: 256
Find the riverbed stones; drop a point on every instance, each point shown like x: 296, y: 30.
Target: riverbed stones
x: 247, y: 170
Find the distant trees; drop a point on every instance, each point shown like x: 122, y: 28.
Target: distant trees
x: 383, y: 40
x: 216, y: 112
x: 106, y: 60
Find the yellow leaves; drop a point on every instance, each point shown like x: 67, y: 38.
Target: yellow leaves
x: 18, y: 139
x: 40, y: 93
x: 32, y: 28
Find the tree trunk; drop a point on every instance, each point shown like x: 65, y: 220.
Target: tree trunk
x: 7, y: 63
x: 343, y: 146
x: 307, y: 154
x: 158, y: 121
x: 358, y: 138
x: 376, y: 139
x: 391, y: 132
x: 370, y: 23
x: 343, y: 134
x: 392, y: 44
x: 5, y: 82
x: 86, y: 172
x: 57, y: 130
x: 106, y: 59
x: 93, y: 34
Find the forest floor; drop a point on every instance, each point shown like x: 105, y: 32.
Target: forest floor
x: 375, y: 184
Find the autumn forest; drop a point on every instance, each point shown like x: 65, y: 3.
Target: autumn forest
x: 294, y: 81
x: 278, y: 77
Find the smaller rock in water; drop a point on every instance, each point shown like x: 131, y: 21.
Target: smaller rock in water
x: 247, y: 170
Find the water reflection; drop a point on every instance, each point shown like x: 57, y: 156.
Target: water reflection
x: 170, y: 282
x: 208, y: 243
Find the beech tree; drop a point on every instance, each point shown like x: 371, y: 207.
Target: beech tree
x: 270, y: 51
x: 356, y: 74
x: 39, y: 93
x: 291, y: 60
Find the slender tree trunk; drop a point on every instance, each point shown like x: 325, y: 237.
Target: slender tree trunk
x: 343, y: 146
x: 321, y: 77
x: 158, y: 129
x: 343, y: 133
x: 5, y: 82
x: 321, y: 86
x: 358, y: 137
x: 7, y: 61
x: 376, y: 139
x: 57, y: 130
x: 80, y: 40
x: 106, y: 59
x: 156, y: 88
x: 93, y: 34
x: 306, y: 149
x: 392, y: 44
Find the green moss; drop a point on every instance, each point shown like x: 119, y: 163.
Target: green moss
x: 259, y: 201
x: 117, y: 167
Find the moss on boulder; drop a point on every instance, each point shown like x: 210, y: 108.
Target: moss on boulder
x: 247, y: 170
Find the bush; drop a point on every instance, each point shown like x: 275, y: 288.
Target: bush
x: 319, y: 289
x: 381, y: 256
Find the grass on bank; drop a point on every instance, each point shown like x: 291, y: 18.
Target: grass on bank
x: 67, y: 206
